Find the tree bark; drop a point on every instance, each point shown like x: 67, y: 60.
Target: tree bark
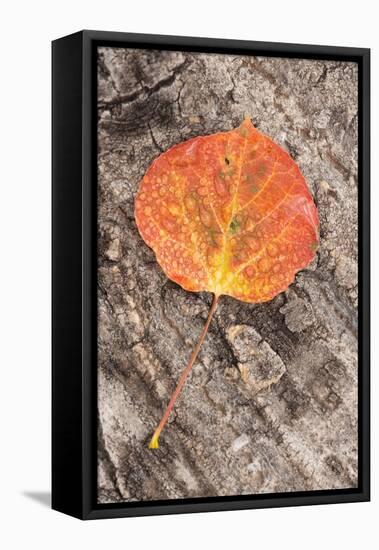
x: 271, y: 402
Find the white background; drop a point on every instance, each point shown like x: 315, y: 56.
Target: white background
x: 26, y: 31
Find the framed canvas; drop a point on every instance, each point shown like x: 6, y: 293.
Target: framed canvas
x: 210, y: 275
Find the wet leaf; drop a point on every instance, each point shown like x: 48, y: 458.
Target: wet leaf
x: 228, y: 213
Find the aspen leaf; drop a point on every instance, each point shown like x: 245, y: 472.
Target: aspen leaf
x: 229, y: 214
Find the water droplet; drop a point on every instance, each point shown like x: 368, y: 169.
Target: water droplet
x: 250, y: 271
x: 272, y: 250
x: 206, y: 217
x: 264, y: 265
x: 173, y: 209
x: 190, y: 203
x: 203, y: 191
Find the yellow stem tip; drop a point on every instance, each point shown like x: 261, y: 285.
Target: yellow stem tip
x: 154, y: 443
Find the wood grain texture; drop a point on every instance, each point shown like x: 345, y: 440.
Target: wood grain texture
x: 271, y: 403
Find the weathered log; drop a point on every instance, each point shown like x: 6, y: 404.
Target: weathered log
x: 271, y: 404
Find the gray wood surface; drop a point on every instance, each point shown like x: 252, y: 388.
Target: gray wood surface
x: 271, y: 404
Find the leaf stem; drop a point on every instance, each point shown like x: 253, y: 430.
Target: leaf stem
x: 154, y: 440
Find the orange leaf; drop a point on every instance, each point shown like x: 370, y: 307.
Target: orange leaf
x: 229, y: 214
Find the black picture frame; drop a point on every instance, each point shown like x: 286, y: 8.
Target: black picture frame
x: 74, y: 274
